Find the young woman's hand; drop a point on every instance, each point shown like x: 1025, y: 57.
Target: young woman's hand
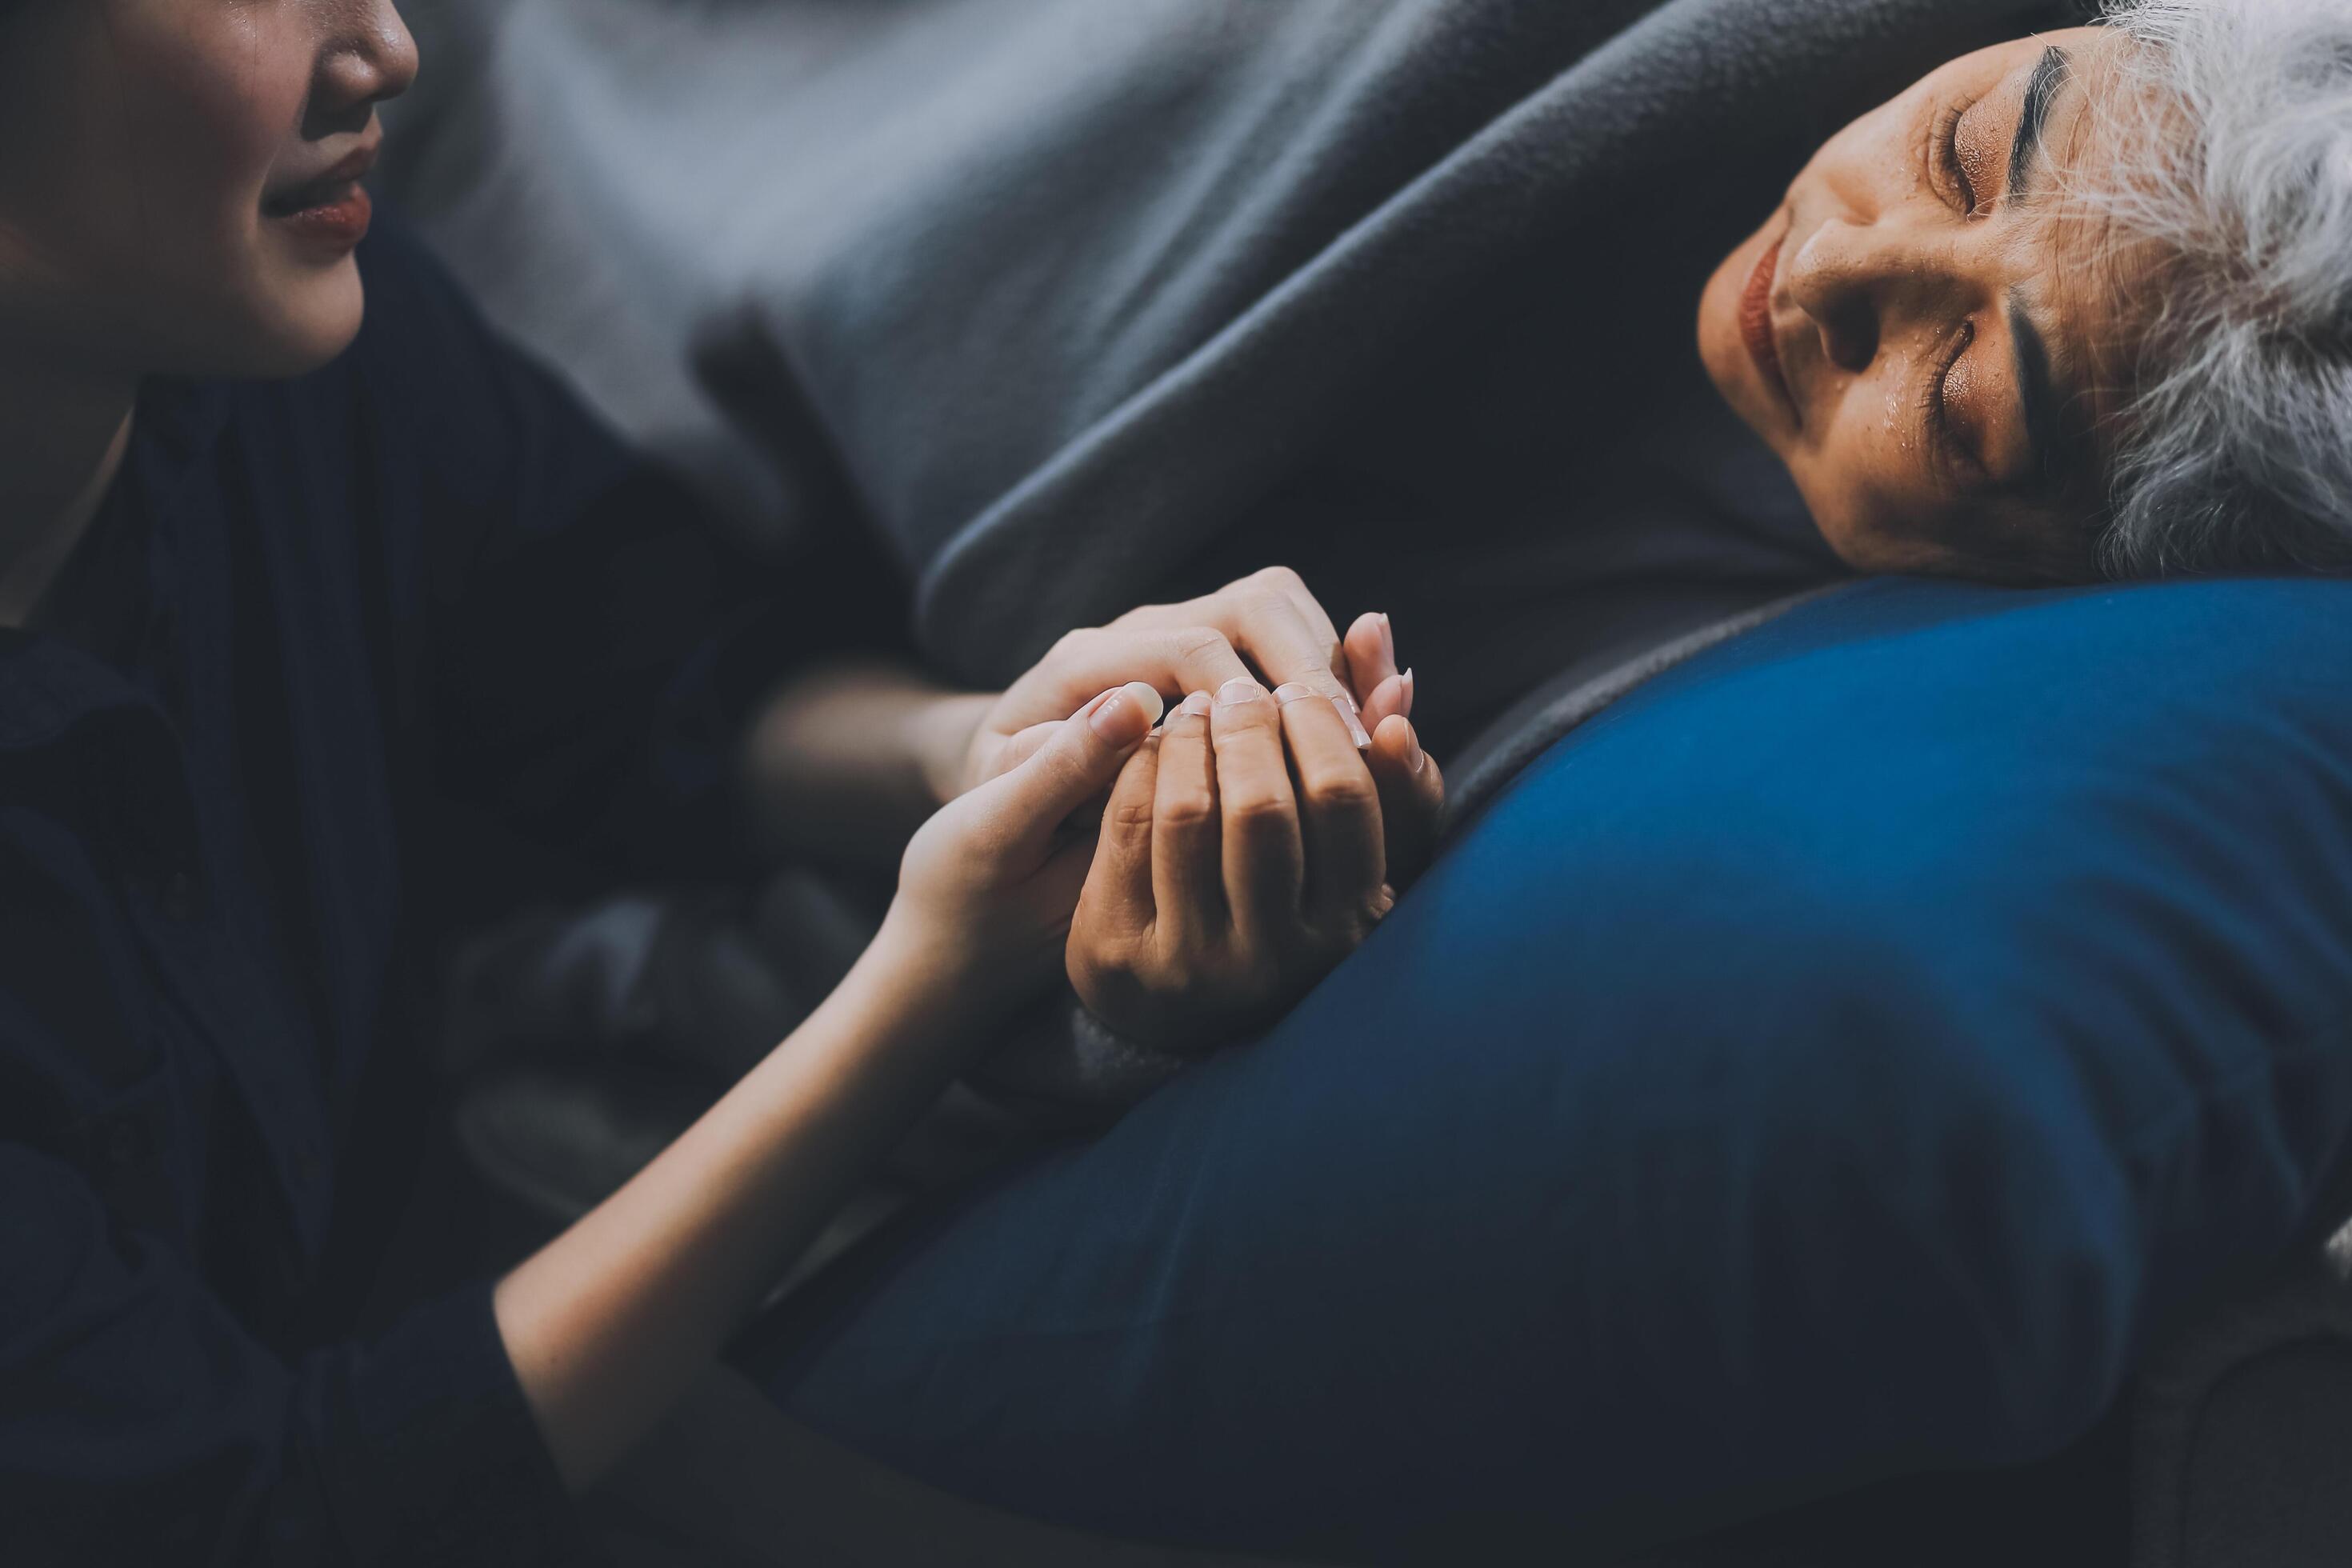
x: 987, y: 885
x: 606, y: 1323
x: 846, y: 760
x: 1220, y: 891
x: 1267, y: 620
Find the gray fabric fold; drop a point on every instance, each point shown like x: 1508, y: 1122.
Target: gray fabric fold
x: 1074, y: 293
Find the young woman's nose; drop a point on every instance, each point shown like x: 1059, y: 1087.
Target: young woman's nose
x: 369, y: 58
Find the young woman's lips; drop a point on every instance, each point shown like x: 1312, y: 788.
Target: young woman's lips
x: 339, y: 222
x: 331, y: 210
x: 1755, y: 325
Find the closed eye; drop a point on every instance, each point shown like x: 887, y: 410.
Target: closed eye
x: 1949, y: 174
x: 1934, y: 407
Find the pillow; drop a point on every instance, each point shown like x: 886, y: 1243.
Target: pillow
x: 1836, y: 1059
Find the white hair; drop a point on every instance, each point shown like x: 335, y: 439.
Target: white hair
x: 2229, y: 133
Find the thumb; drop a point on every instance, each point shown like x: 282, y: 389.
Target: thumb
x: 1077, y: 760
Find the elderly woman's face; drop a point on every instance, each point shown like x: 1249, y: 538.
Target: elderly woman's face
x: 1918, y: 337
x: 176, y: 183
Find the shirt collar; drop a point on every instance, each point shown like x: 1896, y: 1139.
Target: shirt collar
x: 47, y: 686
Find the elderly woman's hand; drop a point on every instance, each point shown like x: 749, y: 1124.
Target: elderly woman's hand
x: 1221, y: 891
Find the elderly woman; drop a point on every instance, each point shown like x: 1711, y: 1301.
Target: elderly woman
x: 2071, y: 305
x: 293, y: 602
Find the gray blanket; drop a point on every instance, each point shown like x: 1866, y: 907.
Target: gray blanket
x: 1083, y: 299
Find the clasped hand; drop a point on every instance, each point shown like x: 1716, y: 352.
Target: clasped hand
x: 1244, y: 851
x: 1247, y: 846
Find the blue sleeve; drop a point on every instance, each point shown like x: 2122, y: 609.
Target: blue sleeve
x: 142, y: 1424
x: 599, y: 639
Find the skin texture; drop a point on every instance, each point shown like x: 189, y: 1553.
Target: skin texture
x: 1889, y: 297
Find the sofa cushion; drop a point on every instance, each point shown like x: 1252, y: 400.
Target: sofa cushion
x: 1834, y: 1060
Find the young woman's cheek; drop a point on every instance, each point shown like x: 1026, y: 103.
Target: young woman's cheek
x: 225, y: 96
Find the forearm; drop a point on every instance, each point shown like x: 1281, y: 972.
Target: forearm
x: 846, y: 760
x: 608, y: 1322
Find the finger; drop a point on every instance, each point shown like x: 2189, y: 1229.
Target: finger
x: 1181, y: 656
x: 1261, y: 857
x: 1339, y: 812
x: 1021, y: 745
x: 1372, y: 658
x: 1117, y: 895
x: 1080, y: 759
x: 1394, y: 695
x: 1271, y: 616
x: 1412, y: 798
x: 1188, y: 889
x: 1310, y: 610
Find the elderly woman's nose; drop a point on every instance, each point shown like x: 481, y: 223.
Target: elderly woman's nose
x: 1837, y: 279
x: 1864, y: 283
x: 370, y: 58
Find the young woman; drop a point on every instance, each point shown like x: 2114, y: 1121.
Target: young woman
x: 289, y: 604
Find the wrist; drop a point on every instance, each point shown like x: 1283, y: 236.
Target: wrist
x: 937, y: 968
x: 897, y: 994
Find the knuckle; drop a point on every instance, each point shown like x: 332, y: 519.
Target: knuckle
x: 1356, y: 922
x: 1131, y: 818
x: 1266, y: 598
x: 1186, y: 811
x: 1198, y: 641
x: 1244, y: 723
x: 1257, y: 808
x: 1342, y: 791
x: 1104, y: 978
x: 1280, y: 580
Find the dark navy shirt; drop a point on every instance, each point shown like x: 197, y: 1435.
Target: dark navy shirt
x: 326, y: 633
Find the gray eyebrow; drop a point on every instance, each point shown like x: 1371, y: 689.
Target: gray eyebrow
x: 2049, y: 76
x: 2045, y: 434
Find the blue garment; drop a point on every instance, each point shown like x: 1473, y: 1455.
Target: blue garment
x: 1834, y: 1061
x: 376, y: 620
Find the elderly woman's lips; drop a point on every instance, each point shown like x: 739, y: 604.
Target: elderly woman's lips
x: 1756, y: 324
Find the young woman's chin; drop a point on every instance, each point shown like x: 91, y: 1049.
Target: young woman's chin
x: 299, y: 314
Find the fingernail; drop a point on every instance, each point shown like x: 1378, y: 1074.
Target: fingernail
x: 1291, y: 692
x: 1239, y: 689
x: 1355, y: 720
x: 1196, y: 704
x: 1388, y: 639
x: 1126, y: 713
x: 1404, y: 704
x: 1412, y: 749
